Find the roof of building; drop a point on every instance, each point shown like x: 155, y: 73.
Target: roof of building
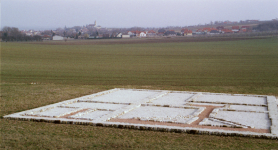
x: 184, y: 29
x: 188, y: 31
x: 151, y: 31
x: 235, y: 27
x: 245, y: 26
x: 227, y: 31
x: 46, y: 36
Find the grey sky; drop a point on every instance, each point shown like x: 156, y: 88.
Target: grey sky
x: 26, y: 14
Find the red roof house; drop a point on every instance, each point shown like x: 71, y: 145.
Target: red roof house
x: 235, y: 27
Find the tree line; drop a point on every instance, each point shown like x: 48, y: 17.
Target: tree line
x: 13, y: 34
x: 267, y: 26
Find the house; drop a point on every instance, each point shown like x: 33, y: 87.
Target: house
x: 37, y: 33
x: 220, y: 28
x: 29, y: 34
x: 243, y: 30
x: 143, y: 34
x: 119, y: 35
x: 198, y: 32
x: 187, y: 32
x: 151, y: 33
x: 183, y: 29
x: 246, y: 28
x: 226, y: 31
x: 57, y: 37
x: 207, y: 30
x: 131, y: 33
x: 134, y: 33
x: 125, y: 36
x: 214, y: 32
x: 235, y: 29
x: 137, y: 33
x: 46, y: 37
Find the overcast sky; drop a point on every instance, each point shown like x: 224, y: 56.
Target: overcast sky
x: 50, y: 14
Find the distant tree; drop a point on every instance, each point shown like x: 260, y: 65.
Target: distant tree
x: 52, y: 33
x: 268, y: 26
x: 161, y: 31
x: 5, y: 35
x: 6, y: 30
x: 59, y: 31
x: 37, y: 38
x: 77, y: 28
x: 15, y: 33
x: 11, y: 34
x: 47, y: 32
x: 26, y: 38
x: 91, y: 31
x: 86, y: 36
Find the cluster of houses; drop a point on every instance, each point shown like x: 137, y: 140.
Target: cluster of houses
x: 221, y: 30
x: 188, y: 32
x: 94, y: 31
x: 83, y: 32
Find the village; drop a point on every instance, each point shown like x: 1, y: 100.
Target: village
x: 95, y: 31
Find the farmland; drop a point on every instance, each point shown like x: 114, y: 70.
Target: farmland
x: 35, y: 74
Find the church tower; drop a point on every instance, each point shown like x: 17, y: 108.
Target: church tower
x: 95, y: 23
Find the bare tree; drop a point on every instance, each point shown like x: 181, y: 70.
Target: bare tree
x: 11, y: 33
x: 77, y: 28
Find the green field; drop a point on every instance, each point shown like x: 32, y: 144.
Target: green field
x: 65, y: 70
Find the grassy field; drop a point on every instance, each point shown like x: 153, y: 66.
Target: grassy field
x: 65, y: 70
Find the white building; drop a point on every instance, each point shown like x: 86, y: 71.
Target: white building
x: 143, y: 34
x: 57, y: 37
x: 126, y: 36
x: 119, y: 35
